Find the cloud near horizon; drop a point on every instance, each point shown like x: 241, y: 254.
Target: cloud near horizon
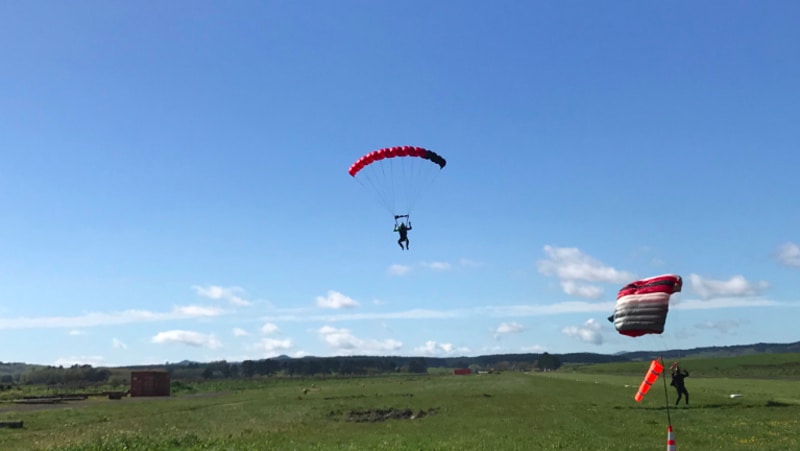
x: 271, y: 347
x: 399, y: 270
x: 232, y: 295
x: 188, y: 338
x: 343, y: 341
x: 436, y: 266
x: 336, y: 300
x: 508, y: 328
x: 578, y: 273
x: 725, y: 327
x: 736, y: 286
x: 96, y: 319
x: 269, y: 328
x: 102, y: 319
x: 589, y: 332
x: 402, y: 270
x: 432, y: 348
x: 93, y: 360
x: 118, y: 344
x: 789, y: 254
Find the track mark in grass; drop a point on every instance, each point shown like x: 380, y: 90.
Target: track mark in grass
x: 771, y: 403
x: 379, y: 415
x: 328, y: 398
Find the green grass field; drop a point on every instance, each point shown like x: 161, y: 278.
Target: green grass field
x: 567, y: 410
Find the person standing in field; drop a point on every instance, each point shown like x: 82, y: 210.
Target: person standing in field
x: 678, y: 376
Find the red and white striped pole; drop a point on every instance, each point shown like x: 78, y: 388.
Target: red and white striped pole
x: 670, y: 439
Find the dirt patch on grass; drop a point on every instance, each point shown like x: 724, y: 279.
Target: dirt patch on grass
x: 378, y: 415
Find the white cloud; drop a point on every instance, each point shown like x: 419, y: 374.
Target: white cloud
x: 94, y: 319
x: 342, y: 341
x: 436, y: 266
x: 335, y: 300
x: 233, y: 295
x: 735, y: 286
x: 93, y: 360
x: 469, y: 263
x: 725, y: 326
x: 583, y: 290
x: 433, y: 348
x: 239, y: 332
x: 725, y: 303
x: 269, y: 328
x: 571, y: 266
x: 399, y: 270
x: 589, y: 332
x: 186, y: 337
x: 199, y: 311
x: 520, y: 310
x: 402, y: 270
x: 534, y: 349
x: 76, y: 332
x: 272, y: 346
x: 789, y: 254
x: 508, y: 328
x: 118, y: 344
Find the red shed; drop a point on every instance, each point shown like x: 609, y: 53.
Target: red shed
x: 149, y: 383
x: 462, y: 371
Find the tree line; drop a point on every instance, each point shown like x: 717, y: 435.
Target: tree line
x: 82, y: 376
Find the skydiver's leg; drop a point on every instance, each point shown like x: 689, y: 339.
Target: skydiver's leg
x: 400, y: 243
x: 686, y: 394
x: 680, y: 393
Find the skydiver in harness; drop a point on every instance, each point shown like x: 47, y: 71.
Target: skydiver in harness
x: 401, y: 228
x: 678, y: 375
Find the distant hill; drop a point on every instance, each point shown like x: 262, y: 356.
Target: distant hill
x: 581, y: 358
x: 718, y: 351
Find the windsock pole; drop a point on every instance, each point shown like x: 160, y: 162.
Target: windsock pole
x: 666, y: 397
x: 670, y: 434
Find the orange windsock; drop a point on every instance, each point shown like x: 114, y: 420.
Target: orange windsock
x: 649, y: 378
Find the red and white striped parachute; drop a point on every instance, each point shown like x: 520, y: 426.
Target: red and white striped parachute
x: 642, y: 305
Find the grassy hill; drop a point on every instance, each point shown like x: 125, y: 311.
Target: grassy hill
x: 754, y: 366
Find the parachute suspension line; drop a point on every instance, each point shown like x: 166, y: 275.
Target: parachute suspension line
x: 416, y: 168
x: 375, y: 191
x: 423, y: 187
x: 387, y: 188
x: 410, y: 182
x: 398, y: 188
x: 384, y: 192
x: 393, y: 188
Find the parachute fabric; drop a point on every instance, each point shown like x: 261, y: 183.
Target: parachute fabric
x: 642, y: 305
x: 398, y: 176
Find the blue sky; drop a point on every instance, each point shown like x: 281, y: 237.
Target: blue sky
x: 173, y: 176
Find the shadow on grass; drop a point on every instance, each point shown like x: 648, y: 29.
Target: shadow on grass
x: 709, y: 406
